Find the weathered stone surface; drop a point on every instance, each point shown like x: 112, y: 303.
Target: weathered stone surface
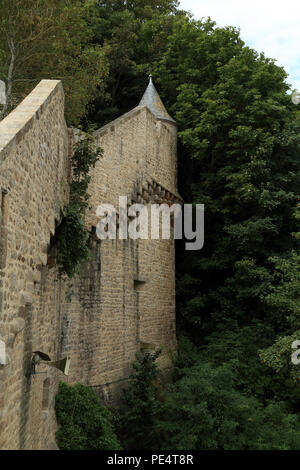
x: 17, y: 325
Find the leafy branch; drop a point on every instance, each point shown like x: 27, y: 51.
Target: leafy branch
x: 72, y: 248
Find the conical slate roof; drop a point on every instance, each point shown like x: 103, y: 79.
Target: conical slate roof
x: 152, y: 100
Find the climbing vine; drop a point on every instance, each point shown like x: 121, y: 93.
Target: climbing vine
x: 72, y: 246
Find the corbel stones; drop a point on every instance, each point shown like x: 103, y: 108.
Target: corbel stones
x: 150, y: 191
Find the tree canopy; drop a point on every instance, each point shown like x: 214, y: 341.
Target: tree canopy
x: 54, y: 40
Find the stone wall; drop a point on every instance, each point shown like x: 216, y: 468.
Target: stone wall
x: 33, y: 183
x: 124, y: 299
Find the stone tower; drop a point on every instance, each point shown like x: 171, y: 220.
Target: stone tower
x: 123, y: 303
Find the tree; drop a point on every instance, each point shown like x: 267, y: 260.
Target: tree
x: 285, y: 299
x: 135, y: 35
x: 205, y: 410
x: 239, y: 146
x: 139, y: 413
x: 41, y: 39
x: 84, y: 423
x: 239, y: 155
x: 204, y: 407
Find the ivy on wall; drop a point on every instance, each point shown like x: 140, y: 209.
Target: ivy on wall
x: 72, y: 246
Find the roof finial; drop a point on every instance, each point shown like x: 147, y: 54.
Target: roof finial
x: 150, y: 78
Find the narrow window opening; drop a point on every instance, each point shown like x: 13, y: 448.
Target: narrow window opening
x: 138, y: 283
x: 46, y: 392
x: 3, y: 228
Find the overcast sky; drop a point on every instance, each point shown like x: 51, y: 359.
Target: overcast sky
x: 269, y: 26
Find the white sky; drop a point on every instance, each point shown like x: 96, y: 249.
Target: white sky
x: 269, y: 26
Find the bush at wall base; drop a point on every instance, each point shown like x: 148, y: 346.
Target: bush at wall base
x: 84, y: 423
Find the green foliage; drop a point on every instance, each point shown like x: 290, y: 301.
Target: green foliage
x: 51, y: 40
x: 240, y: 348
x: 205, y: 410
x: 284, y: 299
x: 239, y: 149
x: 207, y: 407
x: 278, y: 357
x: 72, y: 248
x: 284, y: 296
x: 72, y: 234
x: 239, y: 155
x: 187, y: 355
x: 139, y: 413
x: 134, y: 35
x: 84, y: 423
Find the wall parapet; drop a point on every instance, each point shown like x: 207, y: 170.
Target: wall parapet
x: 14, y: 126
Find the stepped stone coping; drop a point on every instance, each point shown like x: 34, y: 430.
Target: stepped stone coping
x: 20, y: 120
